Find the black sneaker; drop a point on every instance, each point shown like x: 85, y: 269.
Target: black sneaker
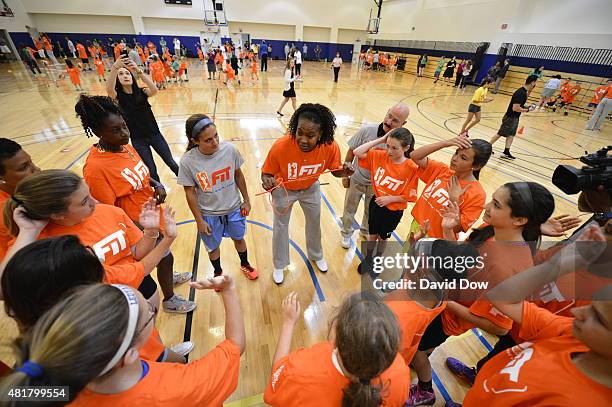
x: 507, y: 156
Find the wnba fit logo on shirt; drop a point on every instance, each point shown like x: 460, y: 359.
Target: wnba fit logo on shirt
x: 114, y: 243
x: 439, y: 195
x: 382, y: 180
x: 216, y: 177
x: 295, y: 171
x: 137, y: 176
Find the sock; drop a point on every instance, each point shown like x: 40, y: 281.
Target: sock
x: 506, y: 151
x: 425, y: 386
x: 244, y: 261
x: 217, y: 266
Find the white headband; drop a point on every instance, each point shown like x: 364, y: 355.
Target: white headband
x: 132, y: 301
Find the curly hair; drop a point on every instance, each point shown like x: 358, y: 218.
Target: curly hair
x: 93, y: 111
x: 317, y: 114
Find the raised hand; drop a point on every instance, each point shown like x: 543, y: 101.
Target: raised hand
x: 169, y: 222
x: 149, y: 215
x: 219, y: 283
x: 291, y: 308
x: 27, y: 225
x: 454, y: 189
x: 450, y: 215
x: 460, y: 142
x: 558, y: 225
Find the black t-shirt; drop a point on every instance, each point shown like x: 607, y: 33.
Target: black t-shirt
x: 451, y: 64
x: 138, y: 114
x: 520, y: 97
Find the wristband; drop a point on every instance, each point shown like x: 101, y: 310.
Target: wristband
x: 152, y: 237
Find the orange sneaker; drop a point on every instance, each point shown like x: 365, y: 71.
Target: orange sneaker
x: 249, y: 272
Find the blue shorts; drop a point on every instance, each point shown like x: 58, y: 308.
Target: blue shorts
x: 232, y: 225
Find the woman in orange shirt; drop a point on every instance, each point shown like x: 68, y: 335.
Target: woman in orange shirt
x: 361, y: 367
x: 83, y: 55
x: 456, y: 182
x: 394, y: 181
x: 565, y: 361
x: 116, y: 175
x: 60, y: 264
x: 53, y: 352
x: 61, y: 200
x: 73, y: 73
x: 297, y: 160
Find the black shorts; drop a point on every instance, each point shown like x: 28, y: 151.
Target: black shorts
x: 289, y: 93
x: 85, y: 60
x: 148, y: 287
x: 473, y: 108
x: 434, y: 335
x: 382, y: 221
x: 509, y: 126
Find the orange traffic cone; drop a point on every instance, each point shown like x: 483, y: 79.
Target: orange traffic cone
x: 520, y: 130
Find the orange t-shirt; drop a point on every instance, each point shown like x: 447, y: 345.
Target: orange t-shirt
x: 157, y: 71
x: 285, y: 160
x: 153, y: 347
x: 570, y: 95
x: 74, y: 75
x: 117, y: 51
x: 600, y: 92
x: 309, y: 378
x: 208, y: 381
x: 111, y: 234
x: 254, y: 67
x: 502, y: 260
x: 99, y: 66
x: 182, y: 68
x: 200, y: 55
x: 539, y: 372
x: 413, y: 320
x: 48, y: 45
x: 119, y: 179
x: 81, y: 50
x: 370, y: 58
x: 92, y: 51
x: 230, y: 73
x: 391, y: 179
x: 434, y: 197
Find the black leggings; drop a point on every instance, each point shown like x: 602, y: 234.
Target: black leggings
x: 458, y: 79
x: 336, y: 72
x: 298, y: 69
x: 504, y: 343
x: 33, y: 66
x: 462, y: 81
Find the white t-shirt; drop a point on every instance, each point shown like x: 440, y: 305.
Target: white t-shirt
x: 177, y: 43
x: 554, y: 83
x: 337, y: 62
x: 298, y: 57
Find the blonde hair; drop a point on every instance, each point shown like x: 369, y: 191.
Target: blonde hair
x: 73, y: 341
x: 41, y: 194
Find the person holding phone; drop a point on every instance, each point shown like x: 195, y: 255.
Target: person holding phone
x: 144, y: 132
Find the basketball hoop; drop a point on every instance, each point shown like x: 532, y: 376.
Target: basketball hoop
x: 373, y: 25
x: 214, y: 28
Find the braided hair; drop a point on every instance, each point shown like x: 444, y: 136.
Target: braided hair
x: 93, y: 111
x: 317, y: 114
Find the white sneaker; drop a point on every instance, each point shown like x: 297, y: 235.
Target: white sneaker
x: 183, y: 349
x: 321, y: 265
x: 278, y: 276
x: 345, y: 242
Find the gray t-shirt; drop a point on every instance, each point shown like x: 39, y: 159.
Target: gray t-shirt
x: 366, y: 133
x: 213, y: 177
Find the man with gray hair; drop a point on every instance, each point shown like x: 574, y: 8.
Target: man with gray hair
x: 359, y: 183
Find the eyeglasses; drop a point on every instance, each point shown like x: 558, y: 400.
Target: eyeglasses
x: 153, y: 311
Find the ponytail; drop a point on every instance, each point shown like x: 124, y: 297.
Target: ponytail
x: 367, y: 338
x: 72, y: 342
x: 42, y: 194
x: 482, y: 152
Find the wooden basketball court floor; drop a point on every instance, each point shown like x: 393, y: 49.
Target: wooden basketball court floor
x: 40, y: 115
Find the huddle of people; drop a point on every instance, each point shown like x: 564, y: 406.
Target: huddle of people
x: 377, y: 61
x: 77, y: 255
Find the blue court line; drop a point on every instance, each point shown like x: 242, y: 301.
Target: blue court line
x: 482, y: 339
x: 434, y: 376
x: 77, y: 159
x: 297, y: 248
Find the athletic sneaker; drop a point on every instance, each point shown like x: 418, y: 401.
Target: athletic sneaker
x: 420, y: 397
x: 178, y: 305
x: 507, y: 156
x: 322, y: 265
x: 461, y: 370
x: 180, y: 278
x: 345, y: 242
x: 183, y: 349
x: 249, y: 272
x: 278, y: 275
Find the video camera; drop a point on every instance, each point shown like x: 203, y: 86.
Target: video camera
x: 598, y: 171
